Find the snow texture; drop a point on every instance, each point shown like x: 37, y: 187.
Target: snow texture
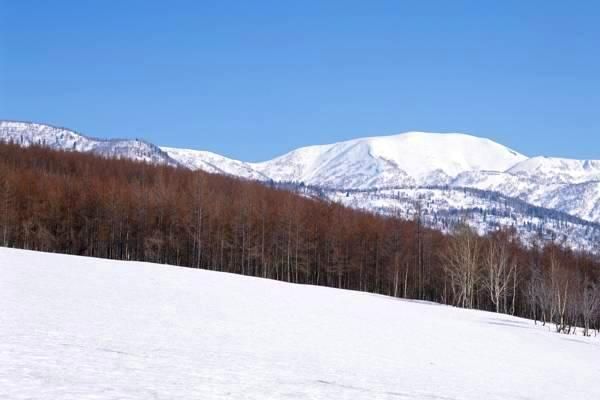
x: 82, y: 328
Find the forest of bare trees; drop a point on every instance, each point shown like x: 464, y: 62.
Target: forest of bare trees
x: 81, y: 204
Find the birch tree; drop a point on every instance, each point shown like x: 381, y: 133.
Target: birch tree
x: 462, y: 265
x: 499, y: 270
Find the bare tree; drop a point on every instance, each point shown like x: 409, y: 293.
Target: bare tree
x: 590, y: 303
x: 6, y: 206
x: 499, y: 271
x: 560, y: 291
x: 462, y: 265
x: 531, y: 292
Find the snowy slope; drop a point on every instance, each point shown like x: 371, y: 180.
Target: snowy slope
x: 414, y: 158
x: 560, y: 170
x: 213, y: 163
x: 578, y: 197
x: 443, y: 208
x: 27, y: 134
x: 83, y: 328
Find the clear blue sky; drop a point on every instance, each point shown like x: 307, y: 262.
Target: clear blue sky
x: 253, y: 79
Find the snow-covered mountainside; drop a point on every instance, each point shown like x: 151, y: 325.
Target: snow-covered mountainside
x: 565, y: 192
x: 84, y: 328
x: 443, y: 208
x: 27, y: 134
x: 560, y: 170
x: 414, y: 158
x: 418, y: 159
x: 213, y: 163
x: 365, y: 168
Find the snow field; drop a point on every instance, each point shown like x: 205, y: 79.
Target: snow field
x: 83, y: 328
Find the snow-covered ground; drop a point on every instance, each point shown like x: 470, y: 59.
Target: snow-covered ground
x: 84, y: 328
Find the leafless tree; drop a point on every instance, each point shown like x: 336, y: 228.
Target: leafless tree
x: 462, y: 265
x: 499, y: 271
x: 559, y: 282
x: 590, y: 303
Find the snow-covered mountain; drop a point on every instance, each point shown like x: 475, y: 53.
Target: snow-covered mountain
x: 416, y: 164
x: 214, y: 163
x: 560, y: 170
x: 414, y: 158
x: 444, y: 207
x: 565, y: 191
x: 87, y: 328
x: 27, y: 134
x: 419, y: 159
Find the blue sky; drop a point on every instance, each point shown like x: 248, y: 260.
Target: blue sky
x: 252, y: 80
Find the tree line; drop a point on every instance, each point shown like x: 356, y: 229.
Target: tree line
x: 82, y: 204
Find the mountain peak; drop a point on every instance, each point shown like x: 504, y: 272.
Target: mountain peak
x: 410, y: 158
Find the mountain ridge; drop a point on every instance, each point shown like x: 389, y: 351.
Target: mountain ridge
x: 30, y: 133
x: 420, y: 157
x: 380, y: 164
